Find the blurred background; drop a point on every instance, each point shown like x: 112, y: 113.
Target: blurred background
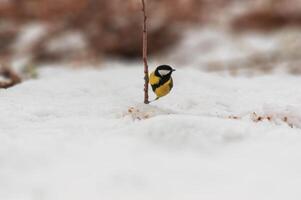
x: 247, y: 37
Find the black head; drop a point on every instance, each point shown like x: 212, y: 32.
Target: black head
x: 164, y: 70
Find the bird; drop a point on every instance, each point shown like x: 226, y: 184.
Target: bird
x: 161, y: 80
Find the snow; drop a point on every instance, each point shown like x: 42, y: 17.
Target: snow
x: 216, y: 44
x: 245, y: 53
x: 84, y: 134
x: 27, y: 38
x: 68, y: 42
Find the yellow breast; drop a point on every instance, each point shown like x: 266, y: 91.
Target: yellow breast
x: 163, y: 89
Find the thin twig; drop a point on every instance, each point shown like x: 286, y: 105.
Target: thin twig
x: 146, y: 79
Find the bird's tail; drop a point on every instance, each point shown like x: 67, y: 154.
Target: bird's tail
x: 155, y: 99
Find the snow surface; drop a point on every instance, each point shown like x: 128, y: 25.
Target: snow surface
x: 84, y: 134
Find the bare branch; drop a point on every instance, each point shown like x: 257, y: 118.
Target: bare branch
x: 144, y: 48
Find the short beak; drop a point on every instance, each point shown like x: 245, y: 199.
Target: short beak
x: 173, y: 70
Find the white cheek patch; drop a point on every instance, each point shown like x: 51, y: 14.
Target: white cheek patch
x: 164, y: 72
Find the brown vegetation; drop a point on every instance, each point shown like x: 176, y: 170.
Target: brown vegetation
x: 109, y: 27
x: 269, y: 15
x: 11, y: 77
x: 114, y: 27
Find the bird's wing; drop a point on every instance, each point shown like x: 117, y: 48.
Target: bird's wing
x: 170, y: 83
x: 153, y: 79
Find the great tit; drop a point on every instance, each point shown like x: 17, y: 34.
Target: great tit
x: 161, y: 80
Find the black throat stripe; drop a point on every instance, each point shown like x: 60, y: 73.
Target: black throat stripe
x: 162, y: 81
